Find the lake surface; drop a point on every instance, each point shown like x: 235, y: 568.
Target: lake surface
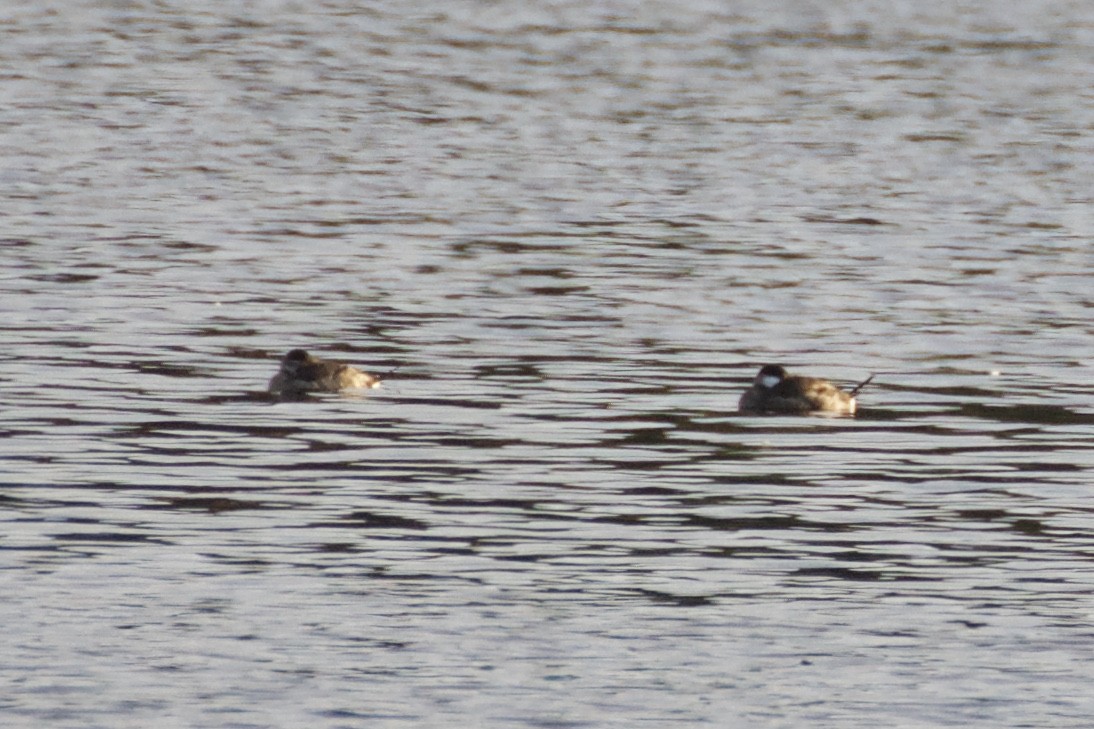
x: 567, y: 236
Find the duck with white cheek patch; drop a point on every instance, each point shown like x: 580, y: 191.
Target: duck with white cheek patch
x: 301, y: 373
x: 776, y: 391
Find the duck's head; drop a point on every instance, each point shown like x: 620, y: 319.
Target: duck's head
x: 294, y: 360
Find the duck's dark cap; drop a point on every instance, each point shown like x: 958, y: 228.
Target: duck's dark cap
x: 772, y: 370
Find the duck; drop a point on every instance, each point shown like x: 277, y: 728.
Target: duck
x: 776, y: 391
x: 302, y: 373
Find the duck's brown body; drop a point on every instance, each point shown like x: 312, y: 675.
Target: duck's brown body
x: 775, y: 391
x: 302, y: 373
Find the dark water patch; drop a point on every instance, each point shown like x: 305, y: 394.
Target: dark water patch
x: 184, y: 428
x: 556, y: 290
x: 954, y: 137
x: 102, y: 361
x: 853, y: 575
x: 210, y: 504
x: 958, y: 391
x: 463, y: 441
x: 107, y: 538
x: 326, y: 446
x: 454, y: 402
x: 229, y: 332
x: 12, y: 502
x: 843, y: 221
x: 243, y: 564
x: 64, y: 278
x: 761, y: 523
x: 368, y: 520
x: 465, y: 503
x: 183, y: 245
x: 1042, y: 414
x: 256, y: 396
x: 666, y: 598
x: 653, y: 491
x: 339, y: 547
x: 894, y: 415
x: 170, y: 370
x: 1028, y: 527
x: 1010, y: 44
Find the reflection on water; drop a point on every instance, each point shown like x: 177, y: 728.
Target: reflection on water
x: 570, y: 234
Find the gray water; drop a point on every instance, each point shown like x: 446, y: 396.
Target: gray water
x: 567, y: 234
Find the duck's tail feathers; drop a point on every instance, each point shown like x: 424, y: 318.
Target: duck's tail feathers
x: 859, y: 386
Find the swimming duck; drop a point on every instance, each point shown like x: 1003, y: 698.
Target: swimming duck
x: 776, y: 391
x: 300, y: 373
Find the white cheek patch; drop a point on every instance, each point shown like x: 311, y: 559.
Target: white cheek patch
x: 769, y: 381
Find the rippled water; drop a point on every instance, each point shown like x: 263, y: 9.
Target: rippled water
x: 568, y: 235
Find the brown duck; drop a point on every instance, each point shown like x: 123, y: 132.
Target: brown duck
x: 302, y: 373
x: 776, y: 391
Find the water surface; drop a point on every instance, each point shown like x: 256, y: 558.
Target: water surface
x: 567, y: 236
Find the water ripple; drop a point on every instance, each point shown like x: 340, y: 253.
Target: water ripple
x: 566, y: 235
